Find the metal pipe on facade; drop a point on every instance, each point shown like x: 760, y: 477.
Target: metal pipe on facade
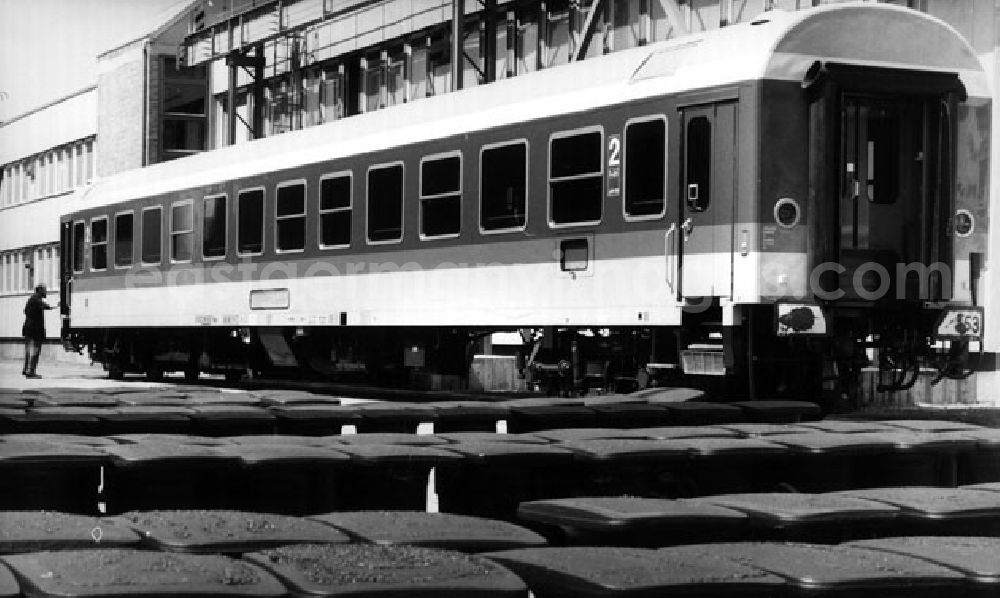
x: 144, y: 153
x: 490, y: 41
x: 258, y: 92
x: 231, y: 104
x: 457, y: 37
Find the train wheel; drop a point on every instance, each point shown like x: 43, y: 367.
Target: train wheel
x: 115, y: 372
x: 234, y: 376
x: 191, y: 374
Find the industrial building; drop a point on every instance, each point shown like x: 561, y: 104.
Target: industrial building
x: 218, y: 72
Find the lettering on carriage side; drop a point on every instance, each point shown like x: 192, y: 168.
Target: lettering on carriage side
x: 206, y: 320
x: 614, y: 176
x: 231, y: 319
x: 768, y: 231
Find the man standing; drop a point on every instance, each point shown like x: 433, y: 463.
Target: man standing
x: 34, y: 330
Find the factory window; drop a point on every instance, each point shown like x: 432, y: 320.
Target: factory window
x: 181, y: 231
x: 335, y: 210
x: 699, y: 164
x: 79, y: 239
x: 282, y: 103
x: 332, y: 89
x: 123, y: 239
x: 79, y: 164
x: 441, y: 195
x: 645, y: 167
x: 54, y: 252
x: 99, y: 243
x: 183, y: 123
x: 384, y: 80
x: 213, y: 226
x: 244, y: 119
x: 250, y: 219
x: 576, y: 177
x: 4, y: 186
x: 385, y: 203
x: 503, y: 176
x: 311, y: 85
x: 290, y: 217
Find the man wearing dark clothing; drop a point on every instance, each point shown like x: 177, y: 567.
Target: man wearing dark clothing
x: 34, y: 330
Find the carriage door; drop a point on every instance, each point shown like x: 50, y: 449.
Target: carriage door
x: 888, y: 216
x: 706, y: 213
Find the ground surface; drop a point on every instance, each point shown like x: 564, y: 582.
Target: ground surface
x: 71, y: 375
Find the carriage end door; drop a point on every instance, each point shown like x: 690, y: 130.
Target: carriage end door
x: 707, y: 200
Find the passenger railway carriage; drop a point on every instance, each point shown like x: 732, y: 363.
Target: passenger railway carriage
x: 769, y: 202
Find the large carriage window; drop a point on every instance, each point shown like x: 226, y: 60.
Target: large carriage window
x: 181, y: 231
x: 250, y: 213
x: 576, y: 177
x: 213, y: 226
x: 335, y: 211
x: 123, y: 240
x: 79, y: 238
x: 99, y: 244
x: 441, y: 196
x: 290, y: 217
x: 698, y: 164
x: 151, y: 243
x: 385, y: 203
x: 645, y: 167
x: 503, y: 186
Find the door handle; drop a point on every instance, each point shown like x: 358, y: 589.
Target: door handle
x: 671, y: 255
x: 687, y: 226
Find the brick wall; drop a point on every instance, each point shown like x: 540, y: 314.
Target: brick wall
x: 120, y: 82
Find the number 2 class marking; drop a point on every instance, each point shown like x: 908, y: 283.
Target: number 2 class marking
x: 614, y: 151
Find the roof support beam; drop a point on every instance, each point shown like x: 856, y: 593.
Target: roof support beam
x: 235, y: 61
x: 589, y: 26
x: 488, y: 46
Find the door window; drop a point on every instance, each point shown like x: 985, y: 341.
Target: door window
x: 698, y: 164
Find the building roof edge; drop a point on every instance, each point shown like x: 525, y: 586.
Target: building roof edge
x: 49, y: 104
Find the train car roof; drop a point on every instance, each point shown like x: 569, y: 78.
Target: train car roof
x: 778, y: 45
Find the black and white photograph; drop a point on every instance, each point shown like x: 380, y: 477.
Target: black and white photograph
x: 499, y: 298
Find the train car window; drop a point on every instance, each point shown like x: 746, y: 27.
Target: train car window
x: 290, y: 217
x: 213, y: 226
x: 385, y: 203
x: 99, y: 243
x: 181, y: 231
x: 698, y: 165
x: 645, y: 168
x: 124, y: 232
x: 335, y: 210
x: 79, y: 239
x: 152, y: 245
x: 250, y: 219
x: 441, y: 196
x: 576, y: 177
x: 883, y: 155
x: 503, y: 189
